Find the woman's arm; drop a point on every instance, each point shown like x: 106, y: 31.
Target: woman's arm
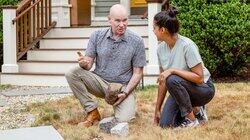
x: 195, y: 75
x: 162, y: 90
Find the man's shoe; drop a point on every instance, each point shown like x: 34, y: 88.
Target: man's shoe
x: 188, y: 123
x: 202, y: 115
x: 92, y: 118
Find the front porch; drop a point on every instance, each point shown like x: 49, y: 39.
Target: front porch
x: 46, y: 63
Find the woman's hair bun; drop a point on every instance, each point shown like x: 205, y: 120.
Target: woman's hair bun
x: 173, y: 12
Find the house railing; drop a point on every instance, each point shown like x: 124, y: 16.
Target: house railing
x: 33, y: 21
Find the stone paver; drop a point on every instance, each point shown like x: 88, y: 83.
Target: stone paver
x: 2, y: 102
x: 31, y: 133
x: 50, y: 90
x: 106, y: 124
x: 121, y: 129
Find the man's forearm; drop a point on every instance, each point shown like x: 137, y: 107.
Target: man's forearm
x: 135, y: 79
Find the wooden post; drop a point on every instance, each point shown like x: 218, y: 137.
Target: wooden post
x: 9, y: 40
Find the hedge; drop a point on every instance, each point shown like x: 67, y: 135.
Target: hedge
x: 221, y: 30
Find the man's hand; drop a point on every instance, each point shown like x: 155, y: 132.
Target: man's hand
x: 157, y: 117
x: 121, y: 97
x: 83, y: 61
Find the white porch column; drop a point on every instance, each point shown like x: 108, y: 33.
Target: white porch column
x: 61, y: 13
x: 152, y: 67
x: 9, y: 41
x: 93, y: 4
x: 126, y: 4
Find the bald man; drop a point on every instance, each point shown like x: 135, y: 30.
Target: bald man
x: 119, y: 56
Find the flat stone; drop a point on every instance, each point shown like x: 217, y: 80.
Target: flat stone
x: 121, y: 129
x: 50, y: 90
x: 31, y: 133
x: 31, y: 118
x: 106, y: 124
x: 2, y: 102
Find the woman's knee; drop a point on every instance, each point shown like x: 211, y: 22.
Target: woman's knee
x: 172, y: 81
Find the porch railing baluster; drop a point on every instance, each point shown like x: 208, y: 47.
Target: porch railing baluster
x: 33, y: 21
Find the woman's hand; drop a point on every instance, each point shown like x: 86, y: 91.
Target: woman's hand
x: 164, y: 75
x: 157, y: 117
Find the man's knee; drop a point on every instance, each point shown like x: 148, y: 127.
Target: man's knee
x: 72, y: 72
x: 125, y: 118
x: 125, y: 112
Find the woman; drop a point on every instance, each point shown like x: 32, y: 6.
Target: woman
x: 183, y: 75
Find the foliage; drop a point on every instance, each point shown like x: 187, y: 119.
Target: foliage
x: 221, y: 30
x: 2, y: 87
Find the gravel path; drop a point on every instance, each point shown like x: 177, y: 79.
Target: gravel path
x: 12, y: 116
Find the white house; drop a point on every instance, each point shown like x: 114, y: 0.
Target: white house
x: 60, y: 28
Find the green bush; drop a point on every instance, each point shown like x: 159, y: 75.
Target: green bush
x: 221, y: 30
x: 4, y: 2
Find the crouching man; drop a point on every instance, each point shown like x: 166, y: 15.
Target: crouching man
x: 119, y: 56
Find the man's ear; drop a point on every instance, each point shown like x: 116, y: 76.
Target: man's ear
x: 109, y: 18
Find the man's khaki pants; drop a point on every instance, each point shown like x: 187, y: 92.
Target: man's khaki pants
x: 83, y: 83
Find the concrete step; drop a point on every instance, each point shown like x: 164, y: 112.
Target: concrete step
x: 102, y: 21
x: 71, y: 42
x: 50, y: 79
x: 141, y: 30
x: 53, y: 54
x: 34, y: 79
x: 59, y: 67
x: 64, y: 43
x: 57, y: 54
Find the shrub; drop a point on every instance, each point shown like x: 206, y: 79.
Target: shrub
x: 221, y: 30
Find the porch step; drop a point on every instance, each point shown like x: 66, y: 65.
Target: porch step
x: 64, y: 43
x: 71, y: 42
x: 53, y: 54
x: 141, y: 30
x: 41, y: 66
x: 59, y: 67
x: 34, y: 79
x: 132, y: 21
x: 49, y: 79
x: 57, y: 54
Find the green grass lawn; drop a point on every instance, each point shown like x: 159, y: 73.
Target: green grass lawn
x: 229, y: 117
x: 2, y: 87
